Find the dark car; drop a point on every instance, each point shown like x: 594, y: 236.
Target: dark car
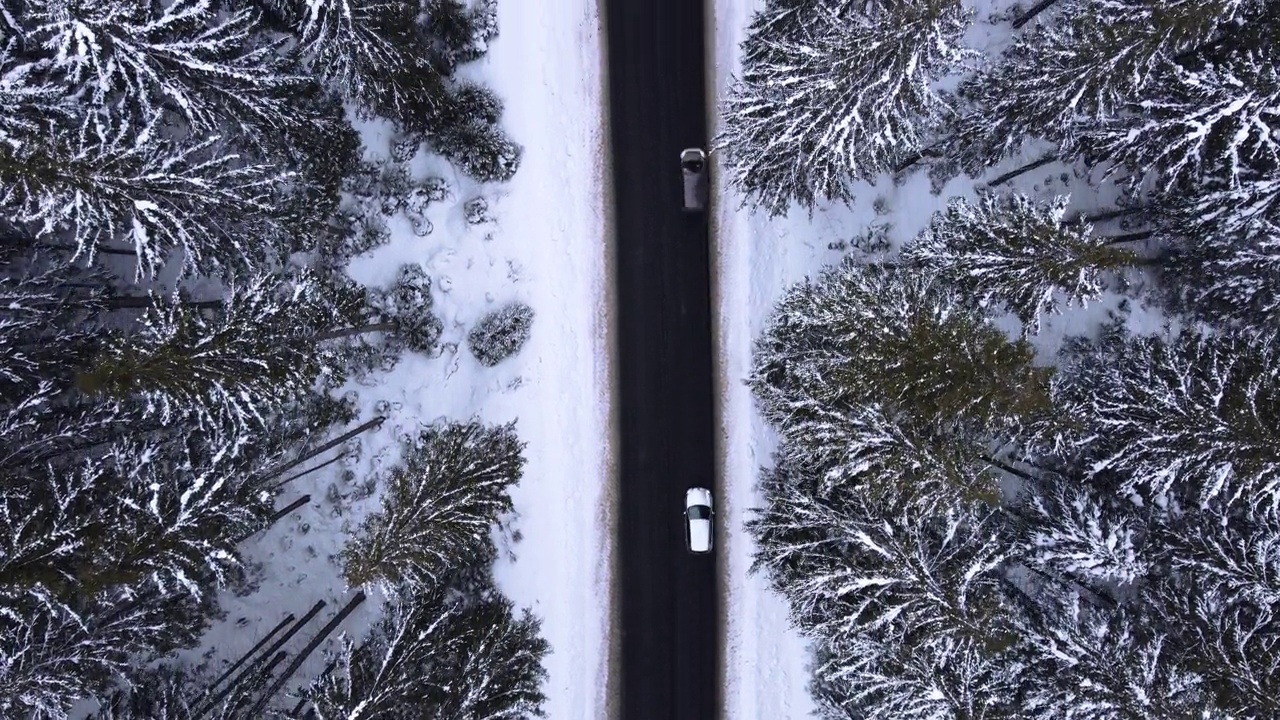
x: 693, y: 169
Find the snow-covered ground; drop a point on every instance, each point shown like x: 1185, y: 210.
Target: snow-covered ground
x: 546, y: 247
x: 756, y: 258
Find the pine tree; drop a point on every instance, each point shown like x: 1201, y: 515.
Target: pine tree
x: 501, y: 333
x: 52, y: 656
x: 157, y: 694
x: 49, y: 319
x: 373, y: 50
x: 466, y: 130
x: 110, y: 180
x: 227, y: 370
x: 1086, y: 66
x: 1073, y: 531
x: 922, y: 570
x: 1215, y: 121
x: 462, y: 33
x: 1222, y: 264
x: 901, y: 595
x: 1228, y: 552
x: 842, y: 98
x: 1227, y: 280
x: 1087, y: 661
x: 864, y: 678
x: 1188, y: 419
x: 131, y: 520
x: 939, y: 362
x: 1231, y: 644
x: 185, y: 57
x: 1017, y: 252
x: 30, y: 103
x: 438, y: 507
x: 434, y: 655
x: 408, y: 302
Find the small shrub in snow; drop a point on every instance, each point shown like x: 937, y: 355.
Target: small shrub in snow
x: 469, y: 136
x: 408, y: 303
x: 403, y: 149
x: 500, y: 334
x: 477, y: 211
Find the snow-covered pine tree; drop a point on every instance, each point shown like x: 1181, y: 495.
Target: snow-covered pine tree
x: 1224, y: 263
x: 1185, y: 420
x: 939, y: 362
x: 48, y: 313
x: 373, y: 51
x: 902, y: 596
x: 864, y: 450
x: 1228, y: 552
x: 438, y: 506
x: 867, y: 678
x: 111, y: 180
x: 226, y: 370
x: 1082, y: 660
x: 908, y: 571
x: 843, y: 97
x: 408, y: 303
x: 1017, y: 252
x: 29, y: 102
x: 134, y: 519
x: 1227, y: 280
x: 1072, y: 531
x: 213, y: 69
x: 466, y: 130
x: 161, y: 693
x: 462, y: 33
x: 1085, y: 65
x: 1227, y: 641
x: 1213, y: 121
x: 501, y: 333
x: 53, y: 655
x: 443, y: 656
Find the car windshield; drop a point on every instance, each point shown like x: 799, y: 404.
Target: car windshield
x: 699, y: 512
x: 693, y: 165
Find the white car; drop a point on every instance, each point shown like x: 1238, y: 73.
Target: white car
x: 693, y: 172
x: 698, y: 517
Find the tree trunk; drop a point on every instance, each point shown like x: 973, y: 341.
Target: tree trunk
x: 256, y: 710
x: 321, y: 466
x: 1006, y: 467
x: 364, y: 427
x: 348, y: 332
x: 1111, y: 215
x: 243, y: 658
x: 931, y: 151
x: 132, y: 302
x: 108, y: 250
x: 211, y: 703
x: 242, y: 697
x: 288, y: 509
x: 1034, y: 10
x: 1127, y: 237
x: 297, y: 709
x: 1022, y: 170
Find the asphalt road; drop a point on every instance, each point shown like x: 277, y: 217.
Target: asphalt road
x: 668, y: 599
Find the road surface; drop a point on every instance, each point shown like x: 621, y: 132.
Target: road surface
x: 668, y: 598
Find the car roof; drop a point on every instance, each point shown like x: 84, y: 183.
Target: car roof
x: 700, y: 535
